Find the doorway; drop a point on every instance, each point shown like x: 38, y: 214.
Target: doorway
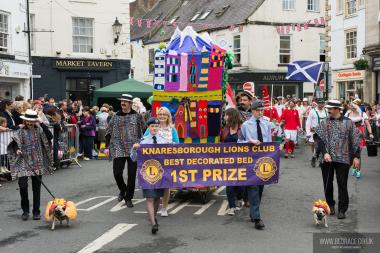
x: 79, y: 89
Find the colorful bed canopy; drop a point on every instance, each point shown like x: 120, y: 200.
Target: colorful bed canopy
x: 188, y: 77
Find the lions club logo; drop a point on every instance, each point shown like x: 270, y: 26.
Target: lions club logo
x: 265, y: 168
x: 152, y: 171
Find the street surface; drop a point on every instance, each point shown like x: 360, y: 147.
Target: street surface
x: 104, y: 225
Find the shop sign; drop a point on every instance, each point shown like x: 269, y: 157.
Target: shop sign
x: 14, y: 69
x: 82, y: 64
x: 349, y: 75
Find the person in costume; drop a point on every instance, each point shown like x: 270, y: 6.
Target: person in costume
x: 30, y: 155
x: 313, y: 120
x: 280, y: 105
x: 338, y: 140
x: 256, y: 130
x: 169, y: 134
x: 361, y: 122
x: 152, y: 195
x: 125, y: 128
x: 245, y: 103
x: 304, y: 112
x: 291, y: 121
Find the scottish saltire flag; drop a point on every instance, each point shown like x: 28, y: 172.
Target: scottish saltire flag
x: 306, y: 71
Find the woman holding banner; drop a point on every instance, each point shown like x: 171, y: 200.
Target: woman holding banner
x: 230, y: 133
x: 152, y: 195
x: 169, y: 134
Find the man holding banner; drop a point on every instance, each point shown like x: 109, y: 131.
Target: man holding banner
x: 256, y: 130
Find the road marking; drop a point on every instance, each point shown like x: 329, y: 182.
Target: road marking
x: 170, y: 206
x: 223, y: 208
x: 220, y: 189
x: 205, y: 207
x: 187, y: 203
x: 121, y: 205
x: 109, y: 199
x: 180, y: 207
x: 107, y: 237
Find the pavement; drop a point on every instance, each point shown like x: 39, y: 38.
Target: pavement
x: 105, y: 225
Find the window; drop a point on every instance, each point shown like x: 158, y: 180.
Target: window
x: 288, y: 4
x: 32, y: 25
x: 361, y: 2
x: 350, y: 7
x: 204, y: 16
x: 4, y: 35
x: 237, y: 49
x: 313, y: 5
x: 83, y: 35
x: 322, y: 48
x: 351, y: 45
x: 195, y: 16
x: 151, y: 61
x: 285, y: 50
x: 339, y: 6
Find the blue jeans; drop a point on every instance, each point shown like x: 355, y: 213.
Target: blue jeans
x: 233, y: 192
x: 254, y: 200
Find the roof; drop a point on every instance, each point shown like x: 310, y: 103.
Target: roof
x: 224, y: 13
x: 129, y: 86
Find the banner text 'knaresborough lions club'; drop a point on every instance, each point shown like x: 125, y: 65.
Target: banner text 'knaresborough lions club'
x: 194, y: 165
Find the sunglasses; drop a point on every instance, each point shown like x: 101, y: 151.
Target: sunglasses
x: 163, y: 114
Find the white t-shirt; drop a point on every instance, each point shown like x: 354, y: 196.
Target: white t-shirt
x: 356, y: 118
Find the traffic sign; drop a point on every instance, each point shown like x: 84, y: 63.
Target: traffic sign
x: 322, y: 84
x: 249, y: 86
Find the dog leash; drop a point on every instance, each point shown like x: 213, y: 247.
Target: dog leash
x: 38, y: 178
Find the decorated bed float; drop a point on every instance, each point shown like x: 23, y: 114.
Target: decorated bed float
x: 190, y: 80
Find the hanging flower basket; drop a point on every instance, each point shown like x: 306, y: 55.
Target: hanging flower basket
x: 361, y: 64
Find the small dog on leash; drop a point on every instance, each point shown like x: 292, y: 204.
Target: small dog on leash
x: 320, y: 210
x: 60, y: 210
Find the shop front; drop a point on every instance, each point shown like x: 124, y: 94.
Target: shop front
x: 76, y: 79
x: 350, y: 83
x: 281, y: 86
x: 14, y: 79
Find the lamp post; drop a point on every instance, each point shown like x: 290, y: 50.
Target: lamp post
x: 116, y: 27
x: 326, y: 69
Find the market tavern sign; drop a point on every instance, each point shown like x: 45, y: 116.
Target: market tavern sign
x: 82, y: 64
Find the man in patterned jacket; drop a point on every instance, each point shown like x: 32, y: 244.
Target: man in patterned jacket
x: 338, y: 142
x: 125, y: 128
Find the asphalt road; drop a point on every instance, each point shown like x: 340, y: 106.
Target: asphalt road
x: 107, y: 226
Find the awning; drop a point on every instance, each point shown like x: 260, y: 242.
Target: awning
x: 129, y: 86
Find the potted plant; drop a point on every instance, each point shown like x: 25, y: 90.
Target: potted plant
x: 361, y: 64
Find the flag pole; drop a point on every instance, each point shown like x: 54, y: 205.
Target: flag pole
x: 271, y: 102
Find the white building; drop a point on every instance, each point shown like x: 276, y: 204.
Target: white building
x: 75, y: 47
x: 261, y: 52
x: 347, y: 43
x: 15, y: 70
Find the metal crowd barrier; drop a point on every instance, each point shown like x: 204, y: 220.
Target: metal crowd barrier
x: 69, y: 145
x: 5, y: 139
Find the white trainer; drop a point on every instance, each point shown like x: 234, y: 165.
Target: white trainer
x: 164, y: 213
x: 231, y: 212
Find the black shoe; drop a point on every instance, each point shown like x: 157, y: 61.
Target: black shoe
x: 36, y: 217
x: 313, y: 160
x: 259, y: 224
x: 341, y: 215
x: 129, y: 203
x: 154, y: 229
x: 25, y: 216
x: 332, y: 210
x: 155, y: 220
x: 121, y: 196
